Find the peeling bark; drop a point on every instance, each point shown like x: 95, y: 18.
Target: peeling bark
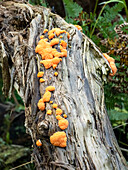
x: 79, y: 91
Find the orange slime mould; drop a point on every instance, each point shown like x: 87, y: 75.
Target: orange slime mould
x: 63, y: 44
x: 45, y: 30
x: 63, y: 124
x: 59, y: 139
x: 38, y: 142
x: 42, y: 36
x: 40, y: 74
x: 54, y: 105
x: 41, y: 105
x: 65, y: 116
x: 56, y: 74
x: 59, y: 111
x: 42, y: 80
x: 50, y: 88
x: 58, y: 117
x: 54, y: 41
x: 49, y: 112
x: 78, y: 27
x: 46, y: 96
x: 112, y: 64
x: 51, y: 36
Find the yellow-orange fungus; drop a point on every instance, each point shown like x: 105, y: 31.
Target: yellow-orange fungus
x: 39, y: 143
x: 63, y: 124
x: 56, y: 74
x: 58, y: 117
x: 49, y: 112
x: 42, y: 80
x: 50, y: 62
x: 51, y: 102
x: 40, y: 74
x: 63, y: 44
x: 59, y: 139
x: 61, y: 36
x: 59, y: 111
x: 51, y: 36
x: 56, y: 53
x: 45, y: 30
x: 112, y: 64
x: 42, y: 36
x: 54, y: 41
x: 50, y: 88
x: 114, y: 69
x: 56, y: 60
x: 78, y: 27
x: 63, y: 51
x: 41, y: 105
x: 68, y: 35
x: 54, y: 105
x: 46, y: 96
x: 47, y: 63
x: 65, y: 116
x: 54, y: 66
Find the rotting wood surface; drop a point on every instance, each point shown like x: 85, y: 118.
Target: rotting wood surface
x: 79, y: 91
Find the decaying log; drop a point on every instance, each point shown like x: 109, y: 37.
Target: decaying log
x: 79, y: 91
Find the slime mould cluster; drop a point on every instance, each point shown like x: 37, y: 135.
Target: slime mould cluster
x: 112, y: 64
x: 51, y: 57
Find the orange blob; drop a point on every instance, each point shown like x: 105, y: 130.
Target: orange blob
x: 40, y: 74
x: 38, y: 142
x: 68, y: 35
x: 47, y: 63
x: 45, y: 30
x: 59, y: 111
x: 78, y: 27
x: 63, y: 124
x: 41, y: 105
x: 54, y: 105
x: 50, y: 88
x: 56, y: 74
x: 65, y: 116
x: 49, y: 112
x: 42, y: 36
x: 42, y: 80
x: 112, y: 64
x: 54, y: 41
x: 63, y: 44
x: 51, y: 102
x: 114, y: 69
x: 51, y: 36
x: 61, y: 36
x: 55, y: 60
x: 46, y: 96
x: 59, y: 139
x: 58, y: 117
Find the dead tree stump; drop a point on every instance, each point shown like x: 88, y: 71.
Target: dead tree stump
x: 91, y: 143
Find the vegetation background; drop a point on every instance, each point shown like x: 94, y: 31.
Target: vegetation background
x: 102, y: 24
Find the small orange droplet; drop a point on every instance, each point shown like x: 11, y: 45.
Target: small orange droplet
x: 65, y: 116
x: 49, y: 112
x: 38, y: 142
x: 51, y: 102
x: 45, y: 30
x: 40, y: 74
x: 42, y: 80
x: 59, y: 111
x: 54, y: 105
x: 56, y: 74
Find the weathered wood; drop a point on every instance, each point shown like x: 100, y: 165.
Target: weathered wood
x: 79, y: 91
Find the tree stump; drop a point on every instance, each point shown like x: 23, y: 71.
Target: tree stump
x: 79, y: 91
